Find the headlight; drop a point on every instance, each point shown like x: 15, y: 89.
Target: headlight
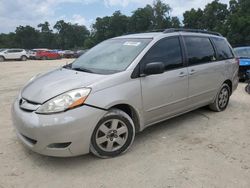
x: 65, y: 101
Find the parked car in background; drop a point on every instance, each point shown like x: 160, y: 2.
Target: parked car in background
x: 243, y: 53
x: 78, y: 53
x: 121, y: 86
x: 13, y: 54
x: 47, y: 54
x: 32, y: 53
x: 61, y: 53
x: 69, y: 54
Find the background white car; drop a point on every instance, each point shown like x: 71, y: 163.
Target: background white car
x: 8, y: 54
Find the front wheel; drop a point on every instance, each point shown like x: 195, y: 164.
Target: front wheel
x: 113, y: 135
x: 222, y: 99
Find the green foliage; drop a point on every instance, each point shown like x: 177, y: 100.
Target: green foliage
x: 161, y: 18
x: 26, y: 37
x: 239, y: 22
x: 233, y: 21
x: 193, y: 19
x: 110, y: 26
x: 69, y: 35
x: 141, y: 20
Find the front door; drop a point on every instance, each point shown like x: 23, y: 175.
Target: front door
x: 11, y: 54
x: 164, y: 94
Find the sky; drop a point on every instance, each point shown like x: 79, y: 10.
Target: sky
x: 83, y: 12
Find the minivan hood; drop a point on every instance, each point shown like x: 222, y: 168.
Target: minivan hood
x: 56, y: 82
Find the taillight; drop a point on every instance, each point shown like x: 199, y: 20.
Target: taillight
x: 238, y: 61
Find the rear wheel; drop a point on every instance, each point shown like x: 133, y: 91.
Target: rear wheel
x: 222, y: 99
x: 113, y: 135
x: 1, y: 59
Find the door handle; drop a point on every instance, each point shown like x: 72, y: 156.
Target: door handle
x: 182, y: 74
x: 192, y: 72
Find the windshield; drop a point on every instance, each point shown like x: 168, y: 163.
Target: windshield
x: 110, y: 56
x: 242, y: 52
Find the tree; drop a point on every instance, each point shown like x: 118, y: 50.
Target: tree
x: 26, y: 37
x: 46, y: 36
x: 70, y: 35
x: 8, y: 40
x: 239, y: 22
x: 175, y: 22
x: 110, y: 26
x: 161, y: 15
x: 193, y: 19
x: 142, y: 20
x: 215, y: 15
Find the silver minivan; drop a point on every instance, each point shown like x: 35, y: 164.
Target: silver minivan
x: 121, y: 86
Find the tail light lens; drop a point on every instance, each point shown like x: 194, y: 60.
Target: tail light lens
x: 238, y: 61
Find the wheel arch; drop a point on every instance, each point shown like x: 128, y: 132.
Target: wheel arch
x: 132, y: 112
x: 230, y: 84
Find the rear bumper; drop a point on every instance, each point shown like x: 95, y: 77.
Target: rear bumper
x: 63, y: 134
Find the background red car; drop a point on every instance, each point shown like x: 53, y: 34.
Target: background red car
x: 47, y: 54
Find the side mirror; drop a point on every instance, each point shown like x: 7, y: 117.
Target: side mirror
x: 154, y: 68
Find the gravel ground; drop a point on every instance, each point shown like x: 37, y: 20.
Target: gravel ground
x: 198, y: 149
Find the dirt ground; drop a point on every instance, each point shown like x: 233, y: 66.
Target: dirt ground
x: 198, y: 149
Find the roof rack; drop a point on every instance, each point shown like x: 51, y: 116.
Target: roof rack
x: 171, y: 30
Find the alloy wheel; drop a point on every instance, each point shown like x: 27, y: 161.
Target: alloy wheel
x: 223, y: 98
x: 111, y: 135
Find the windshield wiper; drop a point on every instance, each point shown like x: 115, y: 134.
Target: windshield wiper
x: 82, y: 69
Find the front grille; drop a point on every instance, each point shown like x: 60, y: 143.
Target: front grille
x: 28, y: 105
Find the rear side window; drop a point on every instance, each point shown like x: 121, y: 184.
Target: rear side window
x: 199, y: 50
x: 167, y: 51
x: 223, y: 49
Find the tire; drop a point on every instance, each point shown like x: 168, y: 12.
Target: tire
x: 247, y: 88
x: 222, y: 99
x: 242, y: 80
x: 113, y: 135
x: 2, y: 59
x: 23, y: 58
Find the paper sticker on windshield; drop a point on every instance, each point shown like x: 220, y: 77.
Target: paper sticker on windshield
x: 130, y: 43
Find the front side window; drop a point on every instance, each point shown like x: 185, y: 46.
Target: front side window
x: 167, y: 51
x: 223, y: 49
x: 111, y: 56
x: 11, y: 51
x: 199, y: 50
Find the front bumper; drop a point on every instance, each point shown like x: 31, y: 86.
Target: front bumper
x: 63, y: 134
